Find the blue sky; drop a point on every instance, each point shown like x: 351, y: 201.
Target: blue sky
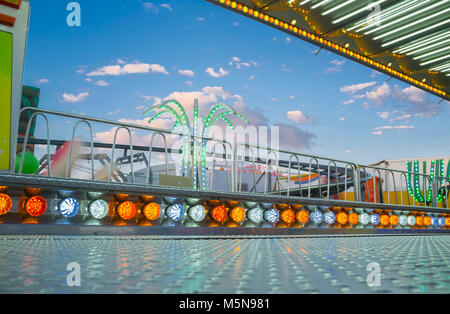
x: 129, y: 55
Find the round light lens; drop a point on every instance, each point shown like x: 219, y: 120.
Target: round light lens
x: 353, y: 218
x: 384, y: 219
x: 403, y: 220
x: 302, y: 216
x: 237, y: 214
x: 197, y: 213
x: 393, y: 220
x: 375, y: 219
x: 364, y: 218
x: 419, y: 221
x: 99, y: 209
x: 330, y: 217
x: 175, y: 212
x: 411, y: 220
x: 256, y: 215
x: 69, y: 207
x: 342, y: 218
x: 272, y: 216
x: 288, y: 216
x: 441, y: 221
x: 37, y: 205
x: 5, y: 204
x: 151, y: 211
x: 434, y: 221
x: 317, y: 217
x: 126, y: 210
x: 219, y: 213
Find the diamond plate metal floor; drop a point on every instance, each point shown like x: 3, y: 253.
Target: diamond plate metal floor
x: 150, y: 264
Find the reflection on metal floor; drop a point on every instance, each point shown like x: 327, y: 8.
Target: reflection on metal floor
x: 154, y: 264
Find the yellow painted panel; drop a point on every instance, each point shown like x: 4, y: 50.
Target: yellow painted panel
x: 6, y: 44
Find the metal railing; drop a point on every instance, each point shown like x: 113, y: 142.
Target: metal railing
x: 336, y: 179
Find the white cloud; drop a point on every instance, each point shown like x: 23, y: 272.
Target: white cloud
x: 101, y: 83
x: 383, y: 115
x: 114, y: 112
x: 350, y: 101
x: 236, y: 24
x: 188, y: 73
x: 189, y: 83
x: 151, y: 7
x: 337, y: 66
x: 285, y: 69
x: 380, y: 93
x: 298, y: 117
x: 166, y: 6
x: 342, y: 118
x: 251, y: 78
x: 201, y: 19
x: 215, y: 74
x: 236, y: 61
x: 351, y: 89
x: 66, y: 97
x: 380, y: 130
x: 43, y: 81
x: 130, y: 68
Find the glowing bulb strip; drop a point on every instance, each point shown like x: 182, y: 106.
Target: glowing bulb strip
x: 287, y: 27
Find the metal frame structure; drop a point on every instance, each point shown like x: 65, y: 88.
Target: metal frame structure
x: 407, y: 40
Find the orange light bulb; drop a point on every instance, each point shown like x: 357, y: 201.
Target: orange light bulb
x: 126, y: 210
x: 5, y: 204
x: 302, y: 216
x: 288, y: 216
x: 353, y: 218
x: 36, y: 206
x: 342, y: 218
x: 237, y: 214
x: 152, y: 211
x: 219, y: 213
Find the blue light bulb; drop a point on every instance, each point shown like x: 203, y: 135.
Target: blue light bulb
x: 69, y: 207
x: 272, y: 215
x: 175, y: 212
x: 375, y: 219
x: 330, y: 217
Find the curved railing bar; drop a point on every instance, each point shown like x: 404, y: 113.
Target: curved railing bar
x: 298, y: 174
x: 147, y: 177
x: 267, y: 166
x: 25, y: 140
x: 320, y: 184
x: 329, y: 177
x: 114, y: 149
x: 69, y: 159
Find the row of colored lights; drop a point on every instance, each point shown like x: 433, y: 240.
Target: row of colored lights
x: 289, y: 27
x: 220, y: 212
